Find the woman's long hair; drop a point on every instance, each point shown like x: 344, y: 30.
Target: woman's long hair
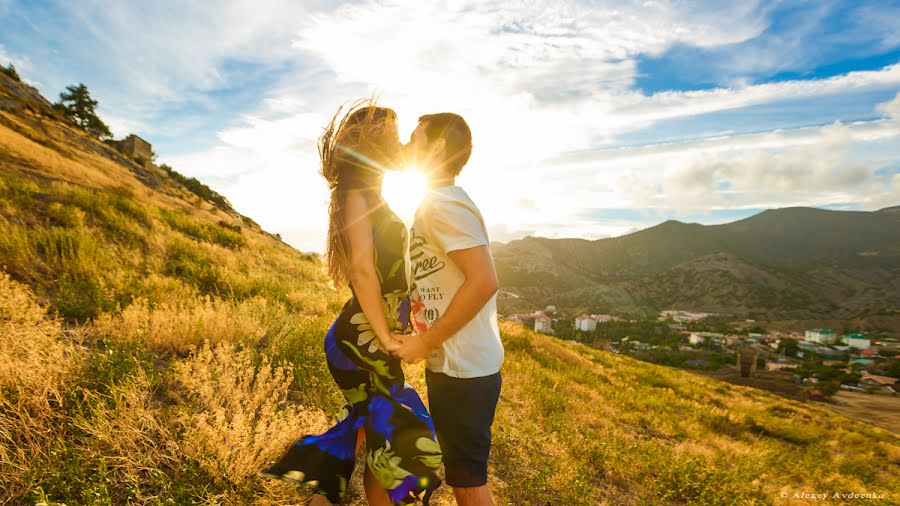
x: 354, y: 151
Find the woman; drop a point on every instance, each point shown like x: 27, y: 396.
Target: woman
x: 366, y: 249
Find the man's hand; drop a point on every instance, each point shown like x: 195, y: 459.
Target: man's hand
x: 412, y: 348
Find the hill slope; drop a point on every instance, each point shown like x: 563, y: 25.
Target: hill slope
x: 189, y: 352
x: 791, y: 263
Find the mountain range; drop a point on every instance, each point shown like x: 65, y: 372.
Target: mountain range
x: 789, y: 263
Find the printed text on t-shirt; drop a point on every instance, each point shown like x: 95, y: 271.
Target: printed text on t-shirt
x: 422, y: 266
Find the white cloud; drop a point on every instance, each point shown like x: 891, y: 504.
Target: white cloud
x: 148, y: 61
x: 536, y: 82
x: 883, y: 193
x: 532, y: 79
x: 541, y: 84
x: 166, y: 48
x: 835, y: 163
x: 22, y: 64
x: 879, y: 21
x: 281, y: 190
x: 891, y: 109
x: 638, y: 111
x: 121, y: 126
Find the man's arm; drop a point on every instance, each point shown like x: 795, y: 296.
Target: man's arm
x: 479, y: 286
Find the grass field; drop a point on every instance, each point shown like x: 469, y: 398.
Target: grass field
x: 150, y: 354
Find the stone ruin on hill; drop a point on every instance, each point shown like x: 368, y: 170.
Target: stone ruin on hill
x: 135, y: 148
x: 141, y: 152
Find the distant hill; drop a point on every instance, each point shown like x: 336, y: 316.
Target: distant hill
x: 188, y: 351
x: 790, y: 263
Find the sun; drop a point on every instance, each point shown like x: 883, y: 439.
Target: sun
x: 403, y: 190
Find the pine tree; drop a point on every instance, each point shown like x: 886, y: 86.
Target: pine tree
x: 10, y: 70
x: 76, y: 103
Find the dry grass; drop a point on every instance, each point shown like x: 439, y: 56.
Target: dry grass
x: 648, y: 434
x: 35, y: 364
x: 124, y: 430
x: 241, y: 418
x: 89, y: 168
x: 182, y: 325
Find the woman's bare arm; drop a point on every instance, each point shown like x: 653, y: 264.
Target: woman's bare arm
x: 363, y: 275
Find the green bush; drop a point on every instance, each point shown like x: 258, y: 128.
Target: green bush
x: 183, y: 261
x: 115, y: 213
x: 66, y: 215
x: 81, y: 297
x: 197, y: 188
x: 215, y: 234
x: 858, y: 467
x: 10, y: 71
x: 64, y: 246
x: 784, y: 429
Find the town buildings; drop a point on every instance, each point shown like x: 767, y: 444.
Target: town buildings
x: 820, y: 336
x: 543, y: 324
x: 681, y: 316
x: 538, y: 320
x: 588, y: 323
x: 857, y: 340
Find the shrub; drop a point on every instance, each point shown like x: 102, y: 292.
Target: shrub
x: 114, y: 212
x: 787, y: 430
x: 184, y: 261
x: 859, y: 467
x: 10, y: 71
x: 215, y: 234
x: 81, y: 296
x: 197, y: 188
x: 224, y: 237
x: 122, y: 200
x: 74, y: 249
x: 66, y: 216
x: 16, y: 251
x: 69, y: 264
x: 240, y: 418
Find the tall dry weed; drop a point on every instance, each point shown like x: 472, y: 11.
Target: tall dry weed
x: 126, y: 432
x: 181, y: 325
x: 35, y: 363
x: 240, y: 416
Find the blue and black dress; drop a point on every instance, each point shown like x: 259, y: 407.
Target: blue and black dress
x: 402, y: 450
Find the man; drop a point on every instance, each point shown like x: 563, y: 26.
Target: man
x: 454, y: 289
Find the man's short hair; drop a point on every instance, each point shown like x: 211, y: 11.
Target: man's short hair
x: 457, y: 137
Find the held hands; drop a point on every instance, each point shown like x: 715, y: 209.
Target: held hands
x: 410, y: 348
x: 390, y: 342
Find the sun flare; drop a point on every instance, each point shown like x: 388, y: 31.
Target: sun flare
x: 403, y: 191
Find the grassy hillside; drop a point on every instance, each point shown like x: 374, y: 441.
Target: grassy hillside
x: 150, y: 353
x: 783, y: 264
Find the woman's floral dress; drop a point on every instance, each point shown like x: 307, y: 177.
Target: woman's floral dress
x: 402, y: 451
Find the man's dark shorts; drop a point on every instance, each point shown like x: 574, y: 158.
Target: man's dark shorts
x: 463, y: 410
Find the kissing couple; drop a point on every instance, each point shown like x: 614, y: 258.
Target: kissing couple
x: 442, y: 308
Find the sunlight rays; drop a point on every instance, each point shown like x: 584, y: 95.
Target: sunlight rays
x: 403, y: 190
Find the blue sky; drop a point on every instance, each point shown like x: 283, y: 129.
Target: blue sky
x: 596, y: 118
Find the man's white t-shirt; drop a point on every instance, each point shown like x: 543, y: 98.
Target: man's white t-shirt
x: 448, y: 220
